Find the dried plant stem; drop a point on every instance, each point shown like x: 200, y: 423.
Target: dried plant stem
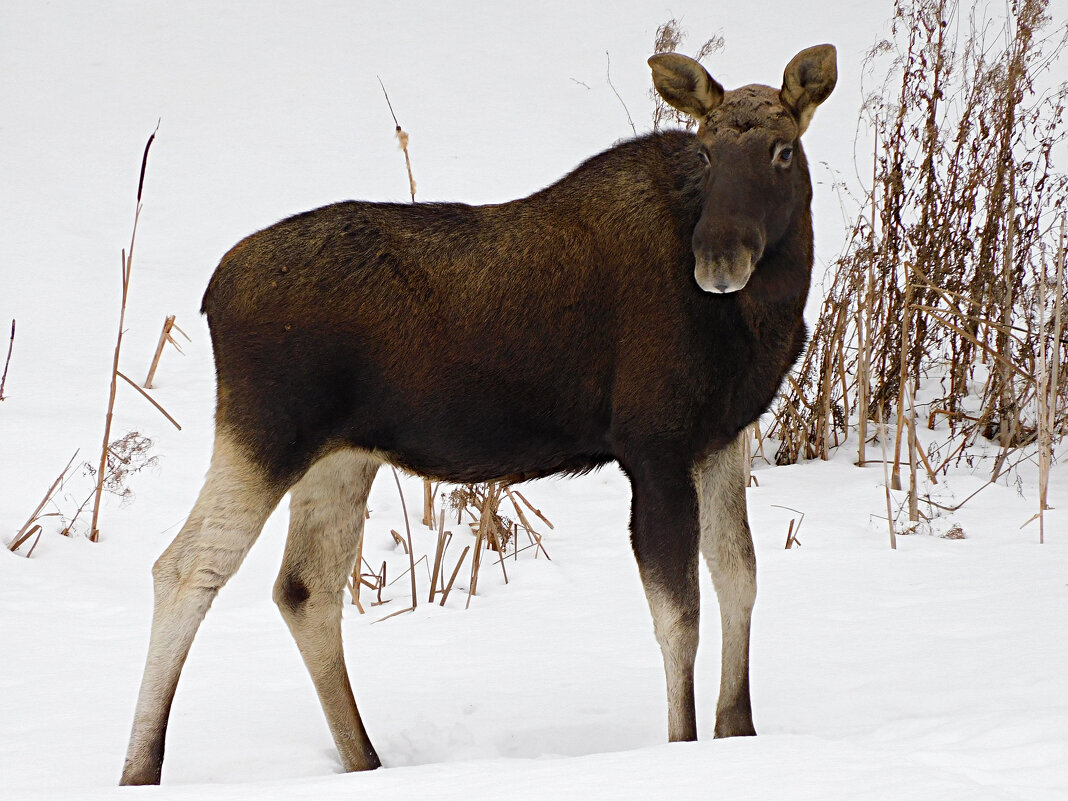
x: 452, y: 578
x: 428, y: 504
x: 408, y: 529
x: 485, y: 532
x: 418, y: 562
x: 94, y: 532
x: 886, y: 483
x: 148, y: 397
x: 903, y: 380
x: 914, y: 446
x: 20, y: 537
x: 165, y: 337
x: 865, y: 322
x: 496, y: 542
x: 608, y: 77
x: 18, y: 541
x: 530, y: 506
x: 7, y: 361
x: 792, y: 530
x: 127, y: 264
x: 535, y: 536
x: 439, y: 555
x: 1049, y: 384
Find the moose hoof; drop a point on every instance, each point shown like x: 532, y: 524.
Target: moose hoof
x: 362, y: 760
x: 132, y: 776
x: 734, y: 724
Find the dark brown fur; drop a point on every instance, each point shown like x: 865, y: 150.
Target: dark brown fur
x: 553, y: 333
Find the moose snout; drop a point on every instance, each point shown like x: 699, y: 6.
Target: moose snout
x: 724, y: 262
x: 725, y: 272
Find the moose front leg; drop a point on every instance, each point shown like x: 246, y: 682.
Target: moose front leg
x: 664, y: 533
x: 727, y: 545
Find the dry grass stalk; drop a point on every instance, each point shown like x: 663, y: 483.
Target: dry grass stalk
x: 353, y: 586
x: 914, y: 450
x: 148, y: 398
x: 127, y: 265
x: 486, y: 524
x: 7, y: 361
x: 534, y: 536
x: 793, y: 528
x: 418, y: 562
x: 886, y: 484
x: 430, y: 490
x: 22, y: 535
x: 536, y: 511
x: 360, y: 579
x: 408, y: 530
x: 18, y: 541
x: 455, y: 572
x: 1049, y: 381
x: 608, y: 77
x: 439, y: 555
x: 165, y: 336
x: 863, y: 325
x: 397, y: 538
x: 747, y: 456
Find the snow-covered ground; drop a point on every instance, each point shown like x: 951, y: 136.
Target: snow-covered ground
x: 934, y: 671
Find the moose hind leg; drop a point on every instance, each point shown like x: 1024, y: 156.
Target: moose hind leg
x: 727, y: 545
x: 233, y: 505
x: 327, y: 509
x: 665, y: 539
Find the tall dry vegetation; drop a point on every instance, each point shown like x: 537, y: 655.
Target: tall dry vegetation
x: 953, y: 273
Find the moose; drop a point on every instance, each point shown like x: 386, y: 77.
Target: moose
x: 643, y: 309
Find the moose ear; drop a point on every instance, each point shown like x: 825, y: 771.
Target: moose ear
x: 685, y: 84
x: 809, y: 78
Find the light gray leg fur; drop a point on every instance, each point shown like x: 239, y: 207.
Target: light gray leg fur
x: 676, y: 630
x: 727, y: 545
x: 326, y: 515
x: 233, y: 505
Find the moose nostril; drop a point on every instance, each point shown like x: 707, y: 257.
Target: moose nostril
x: 721, y: 287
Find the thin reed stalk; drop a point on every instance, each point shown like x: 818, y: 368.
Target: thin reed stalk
x: 7, y: 361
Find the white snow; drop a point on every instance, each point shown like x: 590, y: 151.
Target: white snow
x: 934, y: 671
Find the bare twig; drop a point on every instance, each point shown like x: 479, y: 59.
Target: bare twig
x: 608, y: 76
x: 7, y: 362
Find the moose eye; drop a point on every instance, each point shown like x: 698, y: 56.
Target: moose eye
x: 703, y: 156
x: 784, y: 154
